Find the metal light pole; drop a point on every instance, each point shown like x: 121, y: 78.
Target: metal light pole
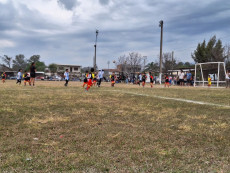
x: 108, y: 64
x: 95, y: 53
x: 161, y: 25
x: 145, y: 58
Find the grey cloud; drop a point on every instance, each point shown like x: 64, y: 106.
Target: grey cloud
x: 68, y: 4
x: 104, y: 2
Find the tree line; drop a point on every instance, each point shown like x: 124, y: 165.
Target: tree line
x: 211, y: 51
x: 21, y: 62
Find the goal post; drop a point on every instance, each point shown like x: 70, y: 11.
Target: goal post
x: 216, y: 70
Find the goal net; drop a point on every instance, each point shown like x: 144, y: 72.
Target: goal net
x: 216, y: 71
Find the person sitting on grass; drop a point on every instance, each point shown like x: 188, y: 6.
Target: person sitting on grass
x: 209, y: 81
x: 26, y: 77
x: 113, y: 79
x: 166, y: 81
x: 3, y: 77
x: 19, y: 77
x: 66, y: 75
x: 144, y: 77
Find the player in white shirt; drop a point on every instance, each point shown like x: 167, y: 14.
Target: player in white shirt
x: 181, y: 78
x: 19, y: 77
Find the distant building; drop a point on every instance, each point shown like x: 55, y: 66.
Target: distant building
x: 74, y: 70
x: 9, y: 71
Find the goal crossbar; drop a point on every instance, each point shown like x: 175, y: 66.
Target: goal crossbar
x: 202, y: 75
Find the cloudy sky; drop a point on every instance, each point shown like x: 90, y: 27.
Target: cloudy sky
x: 63, y: 31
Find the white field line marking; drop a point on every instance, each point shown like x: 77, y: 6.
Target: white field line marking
x: 177, y: 99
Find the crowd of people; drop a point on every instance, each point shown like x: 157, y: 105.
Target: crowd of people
x: 93, y: 78
x: 28, y: 76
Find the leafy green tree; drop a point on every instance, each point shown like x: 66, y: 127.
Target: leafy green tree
x: 7, y: 60
x: 19, y: 62
x: 152, y: 66
x: 168, y: 62
x: 53, y: 68
x: 34, y: 58
x: 199, y: 54
x: 212, y: 52
x: 40, y: 66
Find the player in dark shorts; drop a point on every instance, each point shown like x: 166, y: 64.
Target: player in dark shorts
x: 144, y: 77
x: 26, y: 77
x: 90, y: 78
x: 85, y: 81
x: 151, y: 79
x: 3, y: 77
x: 166, y: 80
x: 113, y: 78
x: 32, y: 73
x: 95, y: 79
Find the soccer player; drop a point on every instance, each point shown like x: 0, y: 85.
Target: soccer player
x: 66, y: 75
x: 151, y: 79
x: 26, y: 77
x: 95, y: 78
x: 209, y: 81
x: 100, y: 77
x: 19, y: 77
x: 85, y: 80
x: 144, y: 77
x: 166, y: 81
x: 32, y: 73
x: 113, y: 79
x: 3, y: 77
x: 181, y: 78
x: 89, y: 77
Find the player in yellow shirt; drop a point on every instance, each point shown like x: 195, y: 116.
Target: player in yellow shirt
x: 209, y: 81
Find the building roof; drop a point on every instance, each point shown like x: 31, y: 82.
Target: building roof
x: 112, y: 70
x: 66, y: 65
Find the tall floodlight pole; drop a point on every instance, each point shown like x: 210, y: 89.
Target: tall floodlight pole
x: 161, y: 25
x: 95, y: 53
x: 145, y: 58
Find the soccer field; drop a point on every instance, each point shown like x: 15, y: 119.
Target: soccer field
x: 52, y: 128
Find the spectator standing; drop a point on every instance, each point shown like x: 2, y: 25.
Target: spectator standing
x: 227, y: 78
x: 66, y: 75
x: 189, y: 76
x: 32, y: 73
x: 181, y: 78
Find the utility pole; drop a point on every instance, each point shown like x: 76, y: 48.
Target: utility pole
x: 172, y: 59
x: 108, y: 64
x: 161, y: 23
x: 145, y: 58
x: 95, y: 52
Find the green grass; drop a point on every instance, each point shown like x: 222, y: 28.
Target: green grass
x: 110, y: 130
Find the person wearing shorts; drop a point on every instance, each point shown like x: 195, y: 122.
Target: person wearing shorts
x: 90, y: 78
x: 113, y: 78
x: 227, y: 78
x: 144, y: 77
x: 19, y: 77
x: 66, y: 75
x: 32, y: 73
x: 3, y: 77
x: 181, y: 78
x: 151, y: 79
x: 166, y: 81
x: 189, y: 76
x: 26, y: 77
